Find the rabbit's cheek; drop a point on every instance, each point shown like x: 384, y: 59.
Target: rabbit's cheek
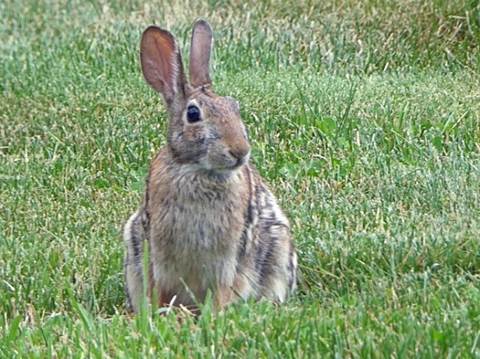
x: 193, y: 134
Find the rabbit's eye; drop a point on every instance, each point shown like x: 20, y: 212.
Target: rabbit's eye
x: 193, y: 114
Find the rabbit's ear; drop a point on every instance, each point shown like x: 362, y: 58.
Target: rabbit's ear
x: 202, y: 40
x: 162, y: 63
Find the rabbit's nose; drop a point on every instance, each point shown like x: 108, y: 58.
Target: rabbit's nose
x: 240, y: 154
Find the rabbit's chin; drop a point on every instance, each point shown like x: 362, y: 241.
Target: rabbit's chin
x: 217, y: 173
x: 221, y: 174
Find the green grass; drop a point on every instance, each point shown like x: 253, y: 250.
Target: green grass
x: 364, y: 118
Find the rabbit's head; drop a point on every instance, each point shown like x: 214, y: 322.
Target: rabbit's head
x: 205, y: 130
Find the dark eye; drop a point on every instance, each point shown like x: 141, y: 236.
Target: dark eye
x: 193, y: 113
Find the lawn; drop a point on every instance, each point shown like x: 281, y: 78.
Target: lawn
x: 364, y: 117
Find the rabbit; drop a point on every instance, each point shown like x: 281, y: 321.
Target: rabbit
x: 210, y: 223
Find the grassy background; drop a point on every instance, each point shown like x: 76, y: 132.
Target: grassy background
x: 364, y: 117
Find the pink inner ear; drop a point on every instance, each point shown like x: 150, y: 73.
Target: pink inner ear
x: 159, y: 58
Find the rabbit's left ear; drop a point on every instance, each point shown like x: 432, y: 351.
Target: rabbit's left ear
x: 202, y: 40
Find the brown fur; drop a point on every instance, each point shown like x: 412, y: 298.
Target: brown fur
x: 210, y: 222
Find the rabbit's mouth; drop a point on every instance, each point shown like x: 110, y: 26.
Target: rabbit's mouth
x: 225, y: 162
x: 240, y: 161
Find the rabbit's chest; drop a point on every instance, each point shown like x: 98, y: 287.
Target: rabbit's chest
x: 196, y: 239
x: 198, y: 228
x: 195, y: 229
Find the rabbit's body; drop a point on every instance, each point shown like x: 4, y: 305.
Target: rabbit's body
x: 209, y: 221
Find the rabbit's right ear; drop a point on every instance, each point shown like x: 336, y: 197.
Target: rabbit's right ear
x: 162, y: 63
